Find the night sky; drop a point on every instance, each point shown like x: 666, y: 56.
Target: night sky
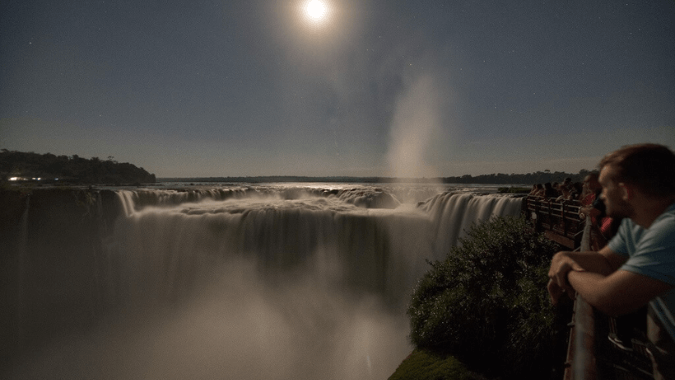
x: 375, y: 88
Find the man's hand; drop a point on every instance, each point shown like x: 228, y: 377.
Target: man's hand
x: 603, y: 262
x: 561, y: 265
x: 556, y: 292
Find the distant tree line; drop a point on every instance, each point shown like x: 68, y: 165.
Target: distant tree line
x: 70, y: 169
x: 530, y: 178
x: 498, y: 179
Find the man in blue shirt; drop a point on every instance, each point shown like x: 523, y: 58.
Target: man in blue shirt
x: 637, y: 267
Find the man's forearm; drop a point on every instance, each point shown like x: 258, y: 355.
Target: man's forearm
x: 588, y: 285
x: 619, y: 293
x: 603, y: 262
x: 592, y: 261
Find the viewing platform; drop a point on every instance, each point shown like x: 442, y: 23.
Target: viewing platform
x: 559, y: 221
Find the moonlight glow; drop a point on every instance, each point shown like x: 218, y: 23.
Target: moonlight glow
x: 316, y: 10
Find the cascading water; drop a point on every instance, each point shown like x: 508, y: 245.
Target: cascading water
x: 265, y: 282
x: 454, y: 213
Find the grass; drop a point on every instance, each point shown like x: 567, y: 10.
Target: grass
x: 427, y: 365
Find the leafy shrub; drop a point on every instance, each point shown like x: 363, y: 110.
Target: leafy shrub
x: 487, y: 304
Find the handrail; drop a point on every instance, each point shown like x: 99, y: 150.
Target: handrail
x: 560, y: 222
x: 590, y: 354
x: 583, y: 331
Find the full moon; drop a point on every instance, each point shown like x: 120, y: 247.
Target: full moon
x: 316, y: 10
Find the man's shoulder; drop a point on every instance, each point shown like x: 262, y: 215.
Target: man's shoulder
x: 670, y: 210
x: 665, y: 221
x: 660, y: 236
x: 632, y: 237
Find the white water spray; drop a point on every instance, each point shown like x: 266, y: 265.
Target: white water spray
x: 415, y: 126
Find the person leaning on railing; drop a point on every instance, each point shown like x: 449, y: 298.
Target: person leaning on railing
x: 565, y: 193
x: 602, y: 228
x: 637, y: 267
x: 576, y: 189
x: 591, y: 191
x: 549, y: 191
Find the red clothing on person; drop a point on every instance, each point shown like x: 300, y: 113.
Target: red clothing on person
x: 606, y: 226
x: 588, y: 199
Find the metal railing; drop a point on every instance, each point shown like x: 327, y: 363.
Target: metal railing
x: 559, y: 221
x: 590, y: 355
x: 581, y: 352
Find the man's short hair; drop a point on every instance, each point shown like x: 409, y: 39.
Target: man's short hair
x: 649, y: 167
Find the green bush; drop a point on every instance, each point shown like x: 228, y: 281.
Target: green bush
x: 487, y: 304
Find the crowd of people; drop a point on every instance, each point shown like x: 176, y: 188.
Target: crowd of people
x: 586, y: 195
x: 565, y: 191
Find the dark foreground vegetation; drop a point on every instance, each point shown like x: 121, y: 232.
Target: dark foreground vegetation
x: 22, y: 166
x: 486, y: 304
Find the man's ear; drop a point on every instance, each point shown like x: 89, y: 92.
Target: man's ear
x: 627, y: 191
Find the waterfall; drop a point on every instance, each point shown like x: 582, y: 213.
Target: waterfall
x: 164, y: 246
x: 164, y: 242
x: 275, y: 282
x: 454, y: 214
